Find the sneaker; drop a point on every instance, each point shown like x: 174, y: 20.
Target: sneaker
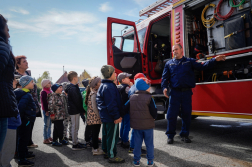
x: 83, y: 145
x: 32, y: 146
x: 89, y: 144
x: 30, y: 152
x: 105, y: 156
x: 136, y: 163
x: 56, y: 144
x: 25, y: 163
x: 50, y: 139
x: 97, y: 151
x: 116, y: 160
x: 47, y: 141
x: 64, y: 142
x: 119, y: 141
x: 30, y: 156
x: 65, y: 138
x: 131, y: 150
x: 125, y: 144
x: 170, y: 141
x: 78, y: 147
x: 150, y: 163
x: 186, y: 140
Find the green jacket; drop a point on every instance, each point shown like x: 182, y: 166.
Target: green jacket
x: 84, y: 94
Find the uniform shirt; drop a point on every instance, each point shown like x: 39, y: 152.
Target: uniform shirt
x: 179, y: 73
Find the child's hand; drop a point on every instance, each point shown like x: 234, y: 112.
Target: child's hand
x: 118, y: 120
x: 47, y: 113
x: 52, y: 117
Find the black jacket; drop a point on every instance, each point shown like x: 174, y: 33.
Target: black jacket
x: 8, y: 104
x: 123, y: 92
x: 26, y: 105
x: 75, y: 103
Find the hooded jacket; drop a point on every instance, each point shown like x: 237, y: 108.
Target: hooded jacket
x: 108, y: 101
x: 8, y: 103
x: 56, y: 105
x: 26, y: 105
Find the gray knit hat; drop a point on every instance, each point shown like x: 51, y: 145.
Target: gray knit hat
x: 107, y: 71
x: 25, y: 80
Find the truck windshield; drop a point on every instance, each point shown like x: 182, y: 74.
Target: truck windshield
x: 141, y: 35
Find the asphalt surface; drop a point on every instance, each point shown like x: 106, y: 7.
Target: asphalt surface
x: 222, y: 142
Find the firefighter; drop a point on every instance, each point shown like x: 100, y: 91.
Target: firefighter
x: 178, y: 75
x: 115, y: 49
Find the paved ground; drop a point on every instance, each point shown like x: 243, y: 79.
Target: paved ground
x: 216, y: 142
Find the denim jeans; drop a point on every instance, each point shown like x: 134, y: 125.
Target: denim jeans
x: 147, y: 137
x: 125, y: 128
x: 3, y: 130
x: 47, y: 126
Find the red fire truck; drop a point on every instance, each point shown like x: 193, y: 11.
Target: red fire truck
x: 205, y: 28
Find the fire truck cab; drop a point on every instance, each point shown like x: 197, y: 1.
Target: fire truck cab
x: 204, y: 29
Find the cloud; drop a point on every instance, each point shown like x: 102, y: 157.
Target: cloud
x: 20, y: 10
x: 105, y: 7
x: 133, y: 13
x: 80, y: 25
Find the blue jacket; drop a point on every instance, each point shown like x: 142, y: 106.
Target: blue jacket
x: 108, y: 101
x: 14, y: 123
x: 26, y: 105
x: 180, y: 73
x: 8, y: 104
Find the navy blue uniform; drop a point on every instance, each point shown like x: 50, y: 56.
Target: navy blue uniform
x: 179, y: 76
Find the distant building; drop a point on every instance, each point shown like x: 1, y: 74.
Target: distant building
x: 84, y: 75
x: 63, y: 78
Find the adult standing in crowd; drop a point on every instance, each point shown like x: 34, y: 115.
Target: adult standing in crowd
x: 8, y: 104
x: 178, y: 74
x: 21, y: 69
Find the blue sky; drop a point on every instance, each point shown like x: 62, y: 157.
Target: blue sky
x: 53, y: 33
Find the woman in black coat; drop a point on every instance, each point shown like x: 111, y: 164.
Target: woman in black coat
x: 8, y: 104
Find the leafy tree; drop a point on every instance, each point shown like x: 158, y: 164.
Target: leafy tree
x: 45, y: 75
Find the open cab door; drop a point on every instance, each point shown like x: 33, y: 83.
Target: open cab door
x: 123, y: 49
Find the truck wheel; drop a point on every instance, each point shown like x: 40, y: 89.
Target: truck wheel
x: 194, y: 117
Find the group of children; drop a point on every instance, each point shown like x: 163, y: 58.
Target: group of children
x: 103, y: 102
x: 130, y: 105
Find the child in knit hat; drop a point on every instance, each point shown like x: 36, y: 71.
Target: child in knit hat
x: 27, y: 110
x: 46, y: 89
x: 143, y: 112
x: 109, y: 105
x: 56, y: 107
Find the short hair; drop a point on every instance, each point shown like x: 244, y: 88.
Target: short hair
x: 18, y: 60
x: 71, y: 75
x: 179, y: 45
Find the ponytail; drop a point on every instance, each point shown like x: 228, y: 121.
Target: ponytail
x: 87, y: 95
